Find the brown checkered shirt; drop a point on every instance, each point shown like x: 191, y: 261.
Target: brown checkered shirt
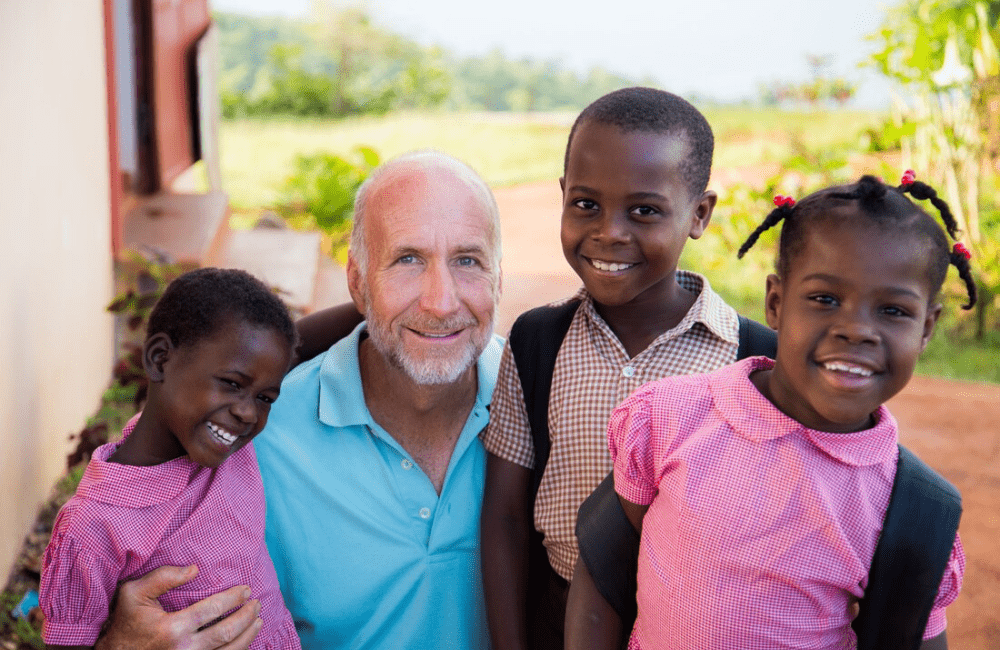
x: 593, y: 374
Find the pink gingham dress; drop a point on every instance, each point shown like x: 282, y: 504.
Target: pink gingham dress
x: 760, y: 532
x: 125, y: 521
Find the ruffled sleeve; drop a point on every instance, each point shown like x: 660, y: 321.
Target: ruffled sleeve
x: 76, y: 587
x: 951, y: 585
x: 631, y: 443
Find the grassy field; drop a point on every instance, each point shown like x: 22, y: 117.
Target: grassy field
x: 509, y: 149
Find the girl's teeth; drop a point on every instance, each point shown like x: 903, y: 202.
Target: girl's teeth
x: 222, y: 434
x: 843, y: 367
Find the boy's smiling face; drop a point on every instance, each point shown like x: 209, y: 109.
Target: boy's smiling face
x: 627, y: 211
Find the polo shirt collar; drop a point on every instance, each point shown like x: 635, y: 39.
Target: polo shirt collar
x: 755, y: 418
x: 342, y: 397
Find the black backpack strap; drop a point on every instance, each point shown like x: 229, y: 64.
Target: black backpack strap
x: 535, y: 339
x: 910, y: 558
x: 609, y: 545
x: 756, y: 340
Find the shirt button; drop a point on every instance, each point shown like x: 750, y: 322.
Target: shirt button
x: 406, y: 463
x: 628, y: 371
x: 425, y: 513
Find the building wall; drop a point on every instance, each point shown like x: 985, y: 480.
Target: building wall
x: 55, y: 246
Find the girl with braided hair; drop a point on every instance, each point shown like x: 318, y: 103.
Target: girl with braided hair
x: 760, y: 489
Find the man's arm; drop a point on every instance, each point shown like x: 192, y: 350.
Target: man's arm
x: 322, y: 329
x: 139, y: 623
x: 506, y: 523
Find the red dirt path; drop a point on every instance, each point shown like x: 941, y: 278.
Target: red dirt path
x: 953, y: 426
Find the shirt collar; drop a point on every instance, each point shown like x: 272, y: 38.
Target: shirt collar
x: 341, y: 395
x: 709, y: 309
x: 113, y: 483
x: 755, y: 418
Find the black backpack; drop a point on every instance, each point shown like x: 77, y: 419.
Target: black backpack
x: 909, y: 561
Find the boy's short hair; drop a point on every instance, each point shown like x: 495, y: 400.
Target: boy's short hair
x: 197, y: 303
x: 657, y: 111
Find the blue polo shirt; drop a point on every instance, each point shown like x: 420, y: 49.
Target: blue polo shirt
x: 367, y: 553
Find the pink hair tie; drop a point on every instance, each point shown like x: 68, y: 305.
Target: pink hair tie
x: 960, y: 249
x: 908, y: 177
x: 784, y: 201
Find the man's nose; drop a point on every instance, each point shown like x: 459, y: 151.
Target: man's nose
x: 439, y: 294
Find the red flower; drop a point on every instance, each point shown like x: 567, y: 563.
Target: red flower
x: 960, y: 249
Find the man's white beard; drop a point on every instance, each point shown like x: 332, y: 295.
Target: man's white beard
x: 441, y: 369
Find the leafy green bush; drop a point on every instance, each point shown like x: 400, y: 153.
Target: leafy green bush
x: 323, y: 186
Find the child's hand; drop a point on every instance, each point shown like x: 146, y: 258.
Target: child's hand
x: 139, y: 622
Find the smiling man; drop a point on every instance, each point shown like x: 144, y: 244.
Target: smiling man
x: 372, y: 465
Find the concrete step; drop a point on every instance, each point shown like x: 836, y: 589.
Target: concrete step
x: 288, y: 260
x: 186, y: 228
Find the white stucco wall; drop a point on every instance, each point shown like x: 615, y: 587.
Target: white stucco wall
x: 55, y: 250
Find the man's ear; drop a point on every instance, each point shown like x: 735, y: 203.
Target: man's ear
x: 155, y: 352
x: 772, y: 301
x: 562, y: 185
x: 354, y: 282
x: 703, y: 213
x: 933, y: 313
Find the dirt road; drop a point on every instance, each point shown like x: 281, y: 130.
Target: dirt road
x: 953, y: 426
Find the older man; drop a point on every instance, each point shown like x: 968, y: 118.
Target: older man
x: 371, y: 460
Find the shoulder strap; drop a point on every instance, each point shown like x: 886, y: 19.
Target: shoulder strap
x: 910, y: 558
x: 535, y: 339
x: 756, y: 340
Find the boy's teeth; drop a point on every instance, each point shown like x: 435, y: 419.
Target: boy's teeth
x: 844, y: 367
x: 609, y: 266
x: 222, y: 434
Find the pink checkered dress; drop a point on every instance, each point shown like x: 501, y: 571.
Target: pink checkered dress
x: 125, y: 521
x: 760, y: 532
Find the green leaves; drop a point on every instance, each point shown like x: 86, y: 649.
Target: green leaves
x: 324, y: 184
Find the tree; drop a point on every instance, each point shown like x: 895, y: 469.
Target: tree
x: 943, y: 54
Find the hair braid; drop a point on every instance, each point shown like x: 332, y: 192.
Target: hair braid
x: 923, y: 192
x: 772, y: 219
x: 961, y: 262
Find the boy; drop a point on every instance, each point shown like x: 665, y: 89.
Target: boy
x: 634, y: 190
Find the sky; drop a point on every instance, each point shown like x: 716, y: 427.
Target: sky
x: 721, y: 49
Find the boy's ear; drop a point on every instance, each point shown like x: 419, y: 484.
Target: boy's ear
x: 772, y: 301
x: 562, y: 185
x: 933, y: 313
x: 703, y: 213
x: 155, y: 352
x: 354, y: 283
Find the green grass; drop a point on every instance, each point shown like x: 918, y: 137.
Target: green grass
x: 257, y: 155
x: 508, y: 149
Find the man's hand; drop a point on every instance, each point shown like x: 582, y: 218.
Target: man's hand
x: 139, y: 623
